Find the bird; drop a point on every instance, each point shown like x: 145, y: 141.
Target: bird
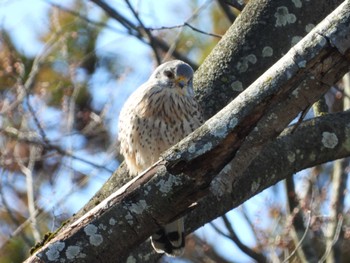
x: 156, y: 116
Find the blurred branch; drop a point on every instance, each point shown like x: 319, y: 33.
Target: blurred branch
x: 28, y: 172
x: 235, y: 3
x: 138, y: 33
x: 251, y: 225
x: 37, y: 122
x: 258, y: 257
x: 229, y: 14
x: 27, y: 86
x: 23, y: 137
x: 199, y: 251
x: 334, y: 236
x: 26, y: 239
x: 186, y: 24
x: 148, y: 33
x: 301, y: 241
x: 84, y: 18
x: 299, y: 232
x: 333, y: 252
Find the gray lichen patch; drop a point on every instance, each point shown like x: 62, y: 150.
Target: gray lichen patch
x: 309, y: 27
x: 267, y: 52
x: 243, y: 64
x: 329, y: 140
x: 165, y: 185
x: 129, y: 218
x: 112, y: 221
x: 131, y: 259
x: 291, y: 157
x: 283, y: 17
x: 297, y: 3
x: 95, y: 239
x: 73, y: 252
x: 138, y: 207
x: 53, y: 252
x: 237, y: 86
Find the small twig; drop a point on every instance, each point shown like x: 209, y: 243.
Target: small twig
x: 201, y: 31
x: 12, y: 132
x: 30, y: 81
x: 301, y: 240
x: 28, y: 172
x: 11, y: 215
x: 147, y: 31
x: 136, y: 32
x: 233, y: 237
x: 36, y: 121
x: 172, y: 49
x: 185, y: 25
x: 301, y: 118
x: 335, y: 238
x: 84, y: 18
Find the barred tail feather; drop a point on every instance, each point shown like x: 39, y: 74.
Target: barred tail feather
x: 170, y: 239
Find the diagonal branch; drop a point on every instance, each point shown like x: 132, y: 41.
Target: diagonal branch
x: 168, y: 189
x: 233, y: 236
x: 147, y: 31
x: 137, y: 32
x: 226, y: 9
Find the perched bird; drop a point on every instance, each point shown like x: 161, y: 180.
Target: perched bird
x: 156, y: 116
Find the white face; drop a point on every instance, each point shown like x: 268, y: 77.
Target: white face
x: 175, y: 75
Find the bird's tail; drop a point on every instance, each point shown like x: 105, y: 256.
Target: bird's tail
x: 170, y: 239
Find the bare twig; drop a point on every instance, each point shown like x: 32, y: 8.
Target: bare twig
x: 334, y: 240
x: 84, y: 18
x: 234, y: 238
x: 301, y: 240
x: 295, y: 215
x: 11, y: 215
x: 201, y: 31
x: 186, y: 24
x: 20, y: 136
x: 194, y: 15
x: 30, y: 81
x: 28, y: 172
x: 36, y: 121
x: 147, y: 31
x: 133, y: 30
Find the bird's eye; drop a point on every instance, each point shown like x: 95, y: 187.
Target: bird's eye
x: 169, y: 74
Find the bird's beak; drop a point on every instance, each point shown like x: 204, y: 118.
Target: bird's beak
x: 181, y: 81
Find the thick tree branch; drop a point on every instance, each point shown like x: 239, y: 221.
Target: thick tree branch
x: 215, y: 88
x: 291, y: 152
x: 258, y: 38
x: 185, y: 172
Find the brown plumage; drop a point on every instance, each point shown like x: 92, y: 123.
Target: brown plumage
x: 156, y: 116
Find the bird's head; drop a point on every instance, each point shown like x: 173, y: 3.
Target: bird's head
x: 175, y: 75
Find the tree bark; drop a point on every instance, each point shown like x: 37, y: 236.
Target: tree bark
x: 184, y: 173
